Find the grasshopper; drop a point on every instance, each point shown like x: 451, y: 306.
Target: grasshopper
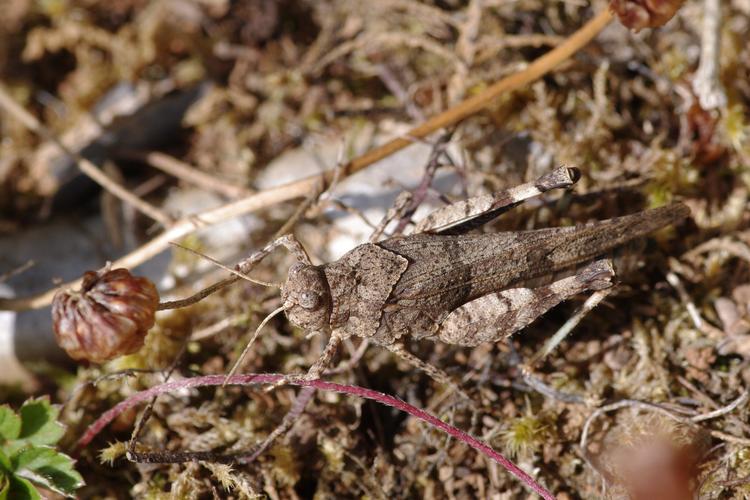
x: 446, y: 284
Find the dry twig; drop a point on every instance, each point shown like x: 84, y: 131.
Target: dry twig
x: 87, y: 167
x: 706, y: 83
x: 188, y: 173
x: 302, y: 188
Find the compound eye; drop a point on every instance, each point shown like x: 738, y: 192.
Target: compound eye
x: 309, y: 300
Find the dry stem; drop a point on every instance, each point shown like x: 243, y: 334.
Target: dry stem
x: 303, y: 187
x: 188, y: 173
x: 87, y: 167
x: 707, y: 84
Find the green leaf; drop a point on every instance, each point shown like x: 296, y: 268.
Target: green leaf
x: 19, y: 488
x: 4, y: 486
x: 10, y: 424
x: 39, y: 424
x: 32, y: 457
x: 48, y: 468
x: 5, y: 463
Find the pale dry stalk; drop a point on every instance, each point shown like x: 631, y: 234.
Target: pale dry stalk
x: 302, y: 187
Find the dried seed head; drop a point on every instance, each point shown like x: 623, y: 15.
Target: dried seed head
x: 108, y: 317
x: 639, y: 14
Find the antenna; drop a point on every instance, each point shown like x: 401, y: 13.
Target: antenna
x: 250, y: 343
x: 237, y: 273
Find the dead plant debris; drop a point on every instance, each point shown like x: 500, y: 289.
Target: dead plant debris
x: 257, y: 93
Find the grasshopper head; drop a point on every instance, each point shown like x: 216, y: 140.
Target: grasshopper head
x: 306, y: 297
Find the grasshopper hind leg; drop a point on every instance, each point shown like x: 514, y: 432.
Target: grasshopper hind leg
x: 494, y: 317
x: 463, y: 216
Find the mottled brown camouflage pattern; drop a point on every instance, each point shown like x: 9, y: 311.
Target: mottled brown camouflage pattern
x: 462, y: 288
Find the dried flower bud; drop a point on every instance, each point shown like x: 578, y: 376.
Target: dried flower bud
x: 639, y: 14
x: 108, y: 317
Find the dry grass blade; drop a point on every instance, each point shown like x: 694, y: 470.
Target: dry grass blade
x: 302, y: 188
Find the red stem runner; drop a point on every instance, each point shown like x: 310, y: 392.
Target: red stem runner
x: 253, y: 379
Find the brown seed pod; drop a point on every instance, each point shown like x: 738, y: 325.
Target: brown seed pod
x: 107, y: 317
x: 639, y: 14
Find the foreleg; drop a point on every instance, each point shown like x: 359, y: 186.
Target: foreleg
x: 317, y: 369
x: 242, y: 268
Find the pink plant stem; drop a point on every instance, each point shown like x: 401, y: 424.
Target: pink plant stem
x: 253, y: 379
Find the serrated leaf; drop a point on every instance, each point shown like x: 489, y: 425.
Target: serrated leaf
x: 10, y: 424
x: 49, y: 468
x: 19, y: 488
x: 39, y: 424
x: 32, y: 456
